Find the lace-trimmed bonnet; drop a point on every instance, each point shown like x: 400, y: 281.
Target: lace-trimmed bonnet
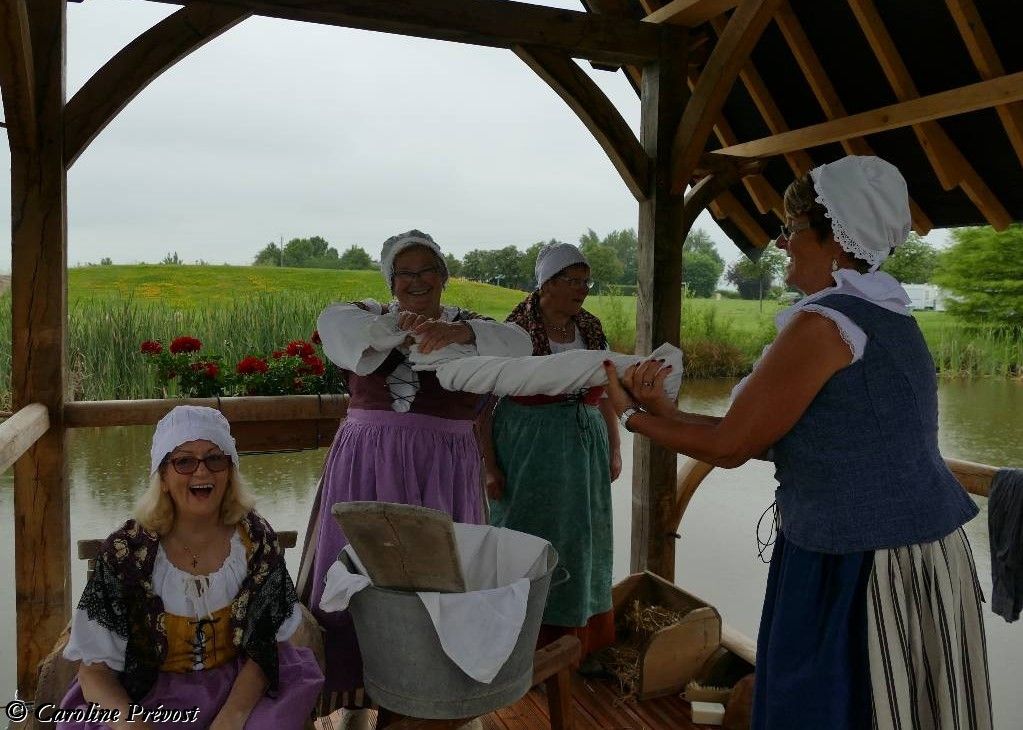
x: 555, y: 257
x: 396, y: 244
x: 191, y: 423
x: 868, y: 203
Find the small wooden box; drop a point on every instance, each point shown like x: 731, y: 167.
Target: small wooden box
x: 674, y: 655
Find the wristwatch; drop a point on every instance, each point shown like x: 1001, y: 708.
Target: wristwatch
x: 627, y: 414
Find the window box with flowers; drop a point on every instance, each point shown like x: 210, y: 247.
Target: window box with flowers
x: 185, y: 370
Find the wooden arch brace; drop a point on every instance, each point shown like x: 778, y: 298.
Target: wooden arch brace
x: 596, y: 111
x: 136, y: 65
x: 729, y: 56
x: 17, y: 77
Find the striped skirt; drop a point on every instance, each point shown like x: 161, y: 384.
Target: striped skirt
x: 890, y: 639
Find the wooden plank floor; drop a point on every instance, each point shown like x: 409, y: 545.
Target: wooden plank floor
x: 596, y: 707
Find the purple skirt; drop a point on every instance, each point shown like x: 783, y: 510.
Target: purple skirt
x: 206, y: 691
x: 383, y: 456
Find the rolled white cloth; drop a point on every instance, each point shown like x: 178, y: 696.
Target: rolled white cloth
x: 565, y: 372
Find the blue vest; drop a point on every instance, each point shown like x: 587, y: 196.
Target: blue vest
x: 861, y: 470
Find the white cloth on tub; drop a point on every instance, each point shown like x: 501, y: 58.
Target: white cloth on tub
x: 565, y: 372
x: 477, y: 629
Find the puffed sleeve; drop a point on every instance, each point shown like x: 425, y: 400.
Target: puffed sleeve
x: 358, y: 337
x: 92, y: 643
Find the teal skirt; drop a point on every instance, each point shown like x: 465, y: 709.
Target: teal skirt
x: 556, y: 465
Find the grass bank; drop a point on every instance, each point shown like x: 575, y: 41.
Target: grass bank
x: 237, y: 311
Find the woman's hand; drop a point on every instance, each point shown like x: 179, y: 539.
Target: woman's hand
x: 493, y: 481
x: 645, y: 382
x: 620, y: 399
x: 434, y: 334
x: 616, y: 463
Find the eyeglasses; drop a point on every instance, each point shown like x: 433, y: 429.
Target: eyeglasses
x: 788, y: 231
x: 410, y: 276
x: 576, y: 282
x: 188, y: 464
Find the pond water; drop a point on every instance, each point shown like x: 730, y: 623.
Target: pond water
x: 981, y: 420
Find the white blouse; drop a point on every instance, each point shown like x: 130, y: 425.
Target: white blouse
x: 876, y: 287
x: 183, y: 594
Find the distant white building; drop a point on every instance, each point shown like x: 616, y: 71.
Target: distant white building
x: 926, y: 296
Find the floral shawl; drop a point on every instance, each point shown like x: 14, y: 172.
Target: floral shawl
x: 119, y: 596
x: 527, y: 316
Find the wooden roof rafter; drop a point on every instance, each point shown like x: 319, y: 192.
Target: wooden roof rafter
x: 948, y: 162
x: 136, y: 65
x: 689, y: 13
x: 730, y: 54
x: 17, y: 73
x: 495, y: 23
x: 989, y: 65
x: 827, y: 96
x: 597, y: 113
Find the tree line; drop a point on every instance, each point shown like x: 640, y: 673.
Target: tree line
x: 982, y: 269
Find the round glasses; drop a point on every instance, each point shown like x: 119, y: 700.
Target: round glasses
x: 410, y: 276
x: 789, y: 231
x: 188, y: 464
x: 575, y: 281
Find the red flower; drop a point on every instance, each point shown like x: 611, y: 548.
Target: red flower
x: 312, y: 365
x: 252, y: 364
x: 297, y: 383
x: 278, y: 354
x: 300, y: 348
x: 185, y: 344
x: 151, y: 347
x: 210, y: 369
x: 316, y: 338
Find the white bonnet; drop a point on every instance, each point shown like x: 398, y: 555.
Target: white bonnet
x: 554, y: 257
x: 396, y: 244
x: 868, y: 203
x: 190, y: 423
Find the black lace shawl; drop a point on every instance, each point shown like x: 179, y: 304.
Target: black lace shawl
x: 119, y: 596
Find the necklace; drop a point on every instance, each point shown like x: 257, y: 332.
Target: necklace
x: 560, y: 330
x: 195, y: 557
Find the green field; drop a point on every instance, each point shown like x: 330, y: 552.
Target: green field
x: 238, y: 311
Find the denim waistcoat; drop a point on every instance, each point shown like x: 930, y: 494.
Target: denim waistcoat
x: 861, y: 470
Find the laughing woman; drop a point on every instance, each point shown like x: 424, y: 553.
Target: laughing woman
x: 872, y: 616
x: 190, y: 604
x: 404, y: 439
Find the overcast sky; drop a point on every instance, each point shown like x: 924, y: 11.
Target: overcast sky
x: 285, y: 129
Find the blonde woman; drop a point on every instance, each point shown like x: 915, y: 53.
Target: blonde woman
x: 190, y: 606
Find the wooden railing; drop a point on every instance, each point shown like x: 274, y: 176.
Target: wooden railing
x: 19, y: 432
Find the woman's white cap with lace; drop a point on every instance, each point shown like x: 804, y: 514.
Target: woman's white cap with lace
x: 868, y: 203
x: 396, y: 244
x: 191, y: 423
x: 555, y: 257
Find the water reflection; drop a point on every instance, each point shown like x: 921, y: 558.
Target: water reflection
x: 980, y: 421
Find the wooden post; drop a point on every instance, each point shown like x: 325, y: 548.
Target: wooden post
x: 659, y: 306
x: 39, y: 312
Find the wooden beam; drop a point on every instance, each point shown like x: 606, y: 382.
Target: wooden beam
x: 82, y: 414
x: 981, y: 95
x: 715, y: 84
x: 136, y: 65
x: 949, y: 164
x: 495, y: 23
x: 728, y: 206
x: 19, y: 432
x: 798, y: 160
x: 975, y: 478
x: 690, y: 12
x: 985, y: 58
x: 42, y: 560
x: 827, y: 96
x: 17, y: 77
x: 597, y: 113
x: 658, y: 305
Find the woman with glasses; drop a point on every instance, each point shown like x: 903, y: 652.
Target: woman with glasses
x: 550, y: 460
x: 872, y: 617
x: 404, y: 439
x: 189, y: 607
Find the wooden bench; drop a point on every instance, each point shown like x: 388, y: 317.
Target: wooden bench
x: 56, y: 673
